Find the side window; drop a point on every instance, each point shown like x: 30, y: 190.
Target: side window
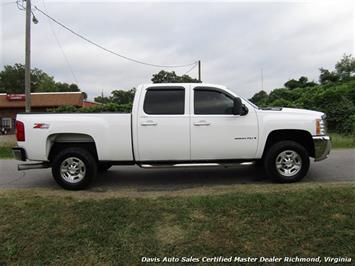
x: 212, y: 102
x: 164, y: 101
x: 6, y: 122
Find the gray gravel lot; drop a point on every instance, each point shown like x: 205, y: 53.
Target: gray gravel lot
x: 340, y: 166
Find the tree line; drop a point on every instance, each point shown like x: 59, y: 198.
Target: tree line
x: 12, y: 80
x: 333, y: 95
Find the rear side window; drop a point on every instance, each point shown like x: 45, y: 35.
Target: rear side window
x: 165, y: 101
x: 212, y: 102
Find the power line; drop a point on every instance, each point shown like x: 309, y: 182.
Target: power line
x: 60, y: 46
x: 108, y: 50
x: 188, y: 71
x: 20, y: 5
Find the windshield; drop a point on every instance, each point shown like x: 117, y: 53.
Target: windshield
x: 255, y: 106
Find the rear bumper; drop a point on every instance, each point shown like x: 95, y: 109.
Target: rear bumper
x: 322, y: 146
x: 19, y: 153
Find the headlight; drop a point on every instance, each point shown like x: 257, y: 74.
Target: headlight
x: 321, y: 126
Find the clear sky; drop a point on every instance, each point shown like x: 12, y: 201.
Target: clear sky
x: 234, y: 40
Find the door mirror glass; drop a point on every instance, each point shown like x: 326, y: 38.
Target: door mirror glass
x: 237, y: 106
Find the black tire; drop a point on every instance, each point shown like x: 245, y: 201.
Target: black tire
x: 259, y: 164
x: 103, y: 167
x: 283, y: 149
x: 87, y: 163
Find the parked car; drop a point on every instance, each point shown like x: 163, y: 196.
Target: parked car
x: 173, y: 125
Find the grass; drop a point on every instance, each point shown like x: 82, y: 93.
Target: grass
x: 39, y: 228
x: 6, y: 143
x: 342, y: 141
x: 5, y: 153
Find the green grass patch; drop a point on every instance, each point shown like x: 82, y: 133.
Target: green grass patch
x: 5, y: 153
x: 40, y: 229
x: 342, y: 141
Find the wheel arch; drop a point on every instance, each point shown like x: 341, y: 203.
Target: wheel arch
x: 59, y: 141
x: 302, y: 137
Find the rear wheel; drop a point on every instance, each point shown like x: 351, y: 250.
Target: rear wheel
x: 286, y: 162
x: 74, y: 168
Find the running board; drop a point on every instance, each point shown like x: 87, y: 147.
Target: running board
x: 177, y: 165
x: 30, y: 166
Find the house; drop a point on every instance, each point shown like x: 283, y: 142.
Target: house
x: 12, y: 104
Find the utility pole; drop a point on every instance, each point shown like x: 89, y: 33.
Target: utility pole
x: 199, y: 70
x: 28, y: 57
x: 262, y: 79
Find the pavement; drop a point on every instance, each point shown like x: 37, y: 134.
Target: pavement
x: 340, y: 166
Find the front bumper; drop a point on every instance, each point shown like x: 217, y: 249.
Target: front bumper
x: 19, y: 153
x: 322, y: 146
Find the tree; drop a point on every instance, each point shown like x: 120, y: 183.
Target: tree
x: 345, y: 68
x: 260, y: 98
x: 171, y: 77
x: 102, y: 99
x: 12, y: 80
x: 63, y: 87
x: 302, y: 82
x: 327, y: 76
x: 283, y: 93
x: 292, y: 84
x: 123, y: 97
x: 118, y: 97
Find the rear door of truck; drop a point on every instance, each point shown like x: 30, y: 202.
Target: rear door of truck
x: 163, y: 132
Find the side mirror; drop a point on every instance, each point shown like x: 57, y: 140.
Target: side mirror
x: 237, y: 106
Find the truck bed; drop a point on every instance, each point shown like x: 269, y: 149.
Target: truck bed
x: 111, y: 132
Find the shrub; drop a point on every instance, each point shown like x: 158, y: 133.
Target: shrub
x: 109, y: 107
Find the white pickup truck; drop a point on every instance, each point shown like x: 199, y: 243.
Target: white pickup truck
x: 173, y: 125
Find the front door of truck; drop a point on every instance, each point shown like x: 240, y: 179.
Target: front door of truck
x: 217, y: 134
x: 163, y: 124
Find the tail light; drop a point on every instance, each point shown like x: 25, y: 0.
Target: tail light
x: 20, y: 131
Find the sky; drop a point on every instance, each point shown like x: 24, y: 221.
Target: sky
x: 235, y: 41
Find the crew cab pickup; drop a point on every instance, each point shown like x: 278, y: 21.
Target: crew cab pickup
x: 173, y: 125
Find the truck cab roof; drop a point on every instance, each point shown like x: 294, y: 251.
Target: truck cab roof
x: 179, y: 84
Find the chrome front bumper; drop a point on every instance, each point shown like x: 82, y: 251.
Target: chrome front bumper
x: 322, y: 146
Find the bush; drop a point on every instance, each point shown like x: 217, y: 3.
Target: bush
x: 109, y: 107
x: 337, y: 100
x: 351, y: 122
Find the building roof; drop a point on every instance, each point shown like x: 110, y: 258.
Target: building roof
x: 89, y: 103
x: 44, y: 100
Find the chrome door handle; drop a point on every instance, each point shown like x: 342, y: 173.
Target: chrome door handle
x: 149, y: 123
x: 201, y: 123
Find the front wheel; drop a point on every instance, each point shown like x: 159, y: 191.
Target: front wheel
x: 286, y: 162
x: 74, y: 168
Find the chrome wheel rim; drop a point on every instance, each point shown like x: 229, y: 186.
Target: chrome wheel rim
x: 288, y: 163
x: 72, y: 170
